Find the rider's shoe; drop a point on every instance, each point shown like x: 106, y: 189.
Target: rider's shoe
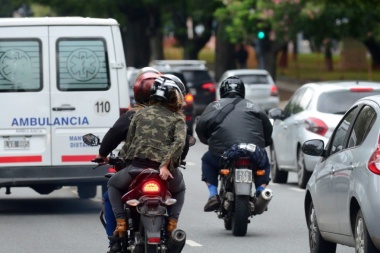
x: 115, y: 248
x: 172, y: 224
x: 212, y: 204
x: 121, y: 228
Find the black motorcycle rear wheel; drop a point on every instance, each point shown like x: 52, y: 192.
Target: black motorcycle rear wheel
x: 240, y: 215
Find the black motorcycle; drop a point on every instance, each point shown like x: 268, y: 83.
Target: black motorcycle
x: 146, y: 210
x: 238, y: 203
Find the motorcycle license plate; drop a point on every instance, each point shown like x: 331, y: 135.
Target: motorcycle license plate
x: 243, y: 176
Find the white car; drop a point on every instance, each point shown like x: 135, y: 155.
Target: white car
x: 259, y: 86
x: 311, y: 113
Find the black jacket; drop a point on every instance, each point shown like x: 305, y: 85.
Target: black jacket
x: 246, y: 123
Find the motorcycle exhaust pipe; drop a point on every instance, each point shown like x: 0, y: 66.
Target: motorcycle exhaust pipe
x: 177, y: 241
x: 262, y: 201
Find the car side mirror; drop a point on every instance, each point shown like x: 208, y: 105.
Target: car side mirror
x: 91, y: 139
x: 313, y: 147
x: 276, y: 113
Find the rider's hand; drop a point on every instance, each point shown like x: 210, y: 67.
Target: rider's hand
x: 165, y: 173
x: 105, y: 159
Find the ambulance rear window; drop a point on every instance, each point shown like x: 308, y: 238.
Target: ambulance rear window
x: 82, y: 64
x: 20, y: 65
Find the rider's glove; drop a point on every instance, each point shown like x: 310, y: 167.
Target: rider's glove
x: 259, y: 190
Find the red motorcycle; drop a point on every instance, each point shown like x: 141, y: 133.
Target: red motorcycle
x: 145, y: 205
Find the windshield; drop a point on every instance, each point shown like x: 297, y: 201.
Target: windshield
x: 338, y: 102
x: 254, y: 79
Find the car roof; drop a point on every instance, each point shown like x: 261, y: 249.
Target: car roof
x: 246, y: 72
x: 179, y: 64
x: 59, y: 21
x: 336, y: 85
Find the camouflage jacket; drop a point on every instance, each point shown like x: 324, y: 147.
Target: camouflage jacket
x: 157, y: 134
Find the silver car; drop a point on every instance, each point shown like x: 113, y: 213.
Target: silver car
x: 342, y: 200
x: 312, y: 112
x: 259, y: 86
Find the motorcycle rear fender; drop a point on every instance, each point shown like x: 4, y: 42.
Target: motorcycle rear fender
x: 152, y: 225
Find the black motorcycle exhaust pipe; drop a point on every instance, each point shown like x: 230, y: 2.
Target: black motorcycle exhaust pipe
x: 262, y: 201
x: 177, y: 241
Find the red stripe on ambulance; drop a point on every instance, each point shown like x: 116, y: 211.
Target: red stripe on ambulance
x: 20, y: 159
x: 77, y: 158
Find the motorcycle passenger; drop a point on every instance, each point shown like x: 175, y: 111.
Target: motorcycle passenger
x: 117, y: 134
x: 156, y: 139
x: 228, y: 121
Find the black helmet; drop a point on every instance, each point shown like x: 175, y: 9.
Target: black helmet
x: 232, y: 85
x: 164, y: 84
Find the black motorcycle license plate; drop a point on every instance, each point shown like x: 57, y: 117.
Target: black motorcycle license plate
x: 243, y: 176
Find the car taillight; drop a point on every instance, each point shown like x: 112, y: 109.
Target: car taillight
x: 316, y: 126
x: 151, y: 187
x: 209, y: 86
x: 361, y: 89
x: 243, y: 162
x: 188, y: 118
x: 123, y: 110
x: 374, y: 160
x: 111, y: 170
x: 189, y: 98
x: 274, y: 91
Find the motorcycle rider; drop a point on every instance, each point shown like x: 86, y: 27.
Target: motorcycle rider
x: 117, y: 134
x: 155, y: 139
x: 228, y: 121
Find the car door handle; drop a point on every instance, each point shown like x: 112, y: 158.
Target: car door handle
x: 63, y: 108
x: 296, y: 123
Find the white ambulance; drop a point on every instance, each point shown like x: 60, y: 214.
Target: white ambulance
x: 60, y: 78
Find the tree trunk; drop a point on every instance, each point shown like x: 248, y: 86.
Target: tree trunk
x: 283, y: 62
x: 374, y: 49
x: 136, y: 44
x: 224, y: 52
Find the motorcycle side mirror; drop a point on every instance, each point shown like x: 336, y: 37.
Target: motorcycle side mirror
x: 91, y: 139
x: 192, y: 141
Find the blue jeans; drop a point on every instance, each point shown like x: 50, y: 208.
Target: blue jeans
x: 108, y: 215
x: 211, y: 165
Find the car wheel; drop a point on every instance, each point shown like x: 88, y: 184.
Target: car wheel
x: 316, y: 242
x: 363, y: 242
x: 303, y: 174
x: 277, y: 175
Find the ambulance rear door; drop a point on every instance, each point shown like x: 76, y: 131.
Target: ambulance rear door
x: 84, y: 89
x: 24, y: 96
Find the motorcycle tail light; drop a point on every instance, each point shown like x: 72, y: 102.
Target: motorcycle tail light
x: 374, y: 160
x: 243, y: 162
x: 316, y: 126
x: 151, y: 187
x: 154, y: 240
x: 209, y: 86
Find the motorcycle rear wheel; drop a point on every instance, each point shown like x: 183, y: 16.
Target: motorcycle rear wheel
x: 240, y: 215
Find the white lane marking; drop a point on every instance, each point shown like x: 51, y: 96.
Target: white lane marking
x: 190, y: 163
x: 297, y: 189
x: 193, y: 244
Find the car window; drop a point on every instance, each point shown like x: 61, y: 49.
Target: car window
x: 197, y: 77
x: 254, y: 79
x: 338, y: 138
x: 293, y: 103
x: 362, y: 126
x: 304, y: 101
x: 338, y: 102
